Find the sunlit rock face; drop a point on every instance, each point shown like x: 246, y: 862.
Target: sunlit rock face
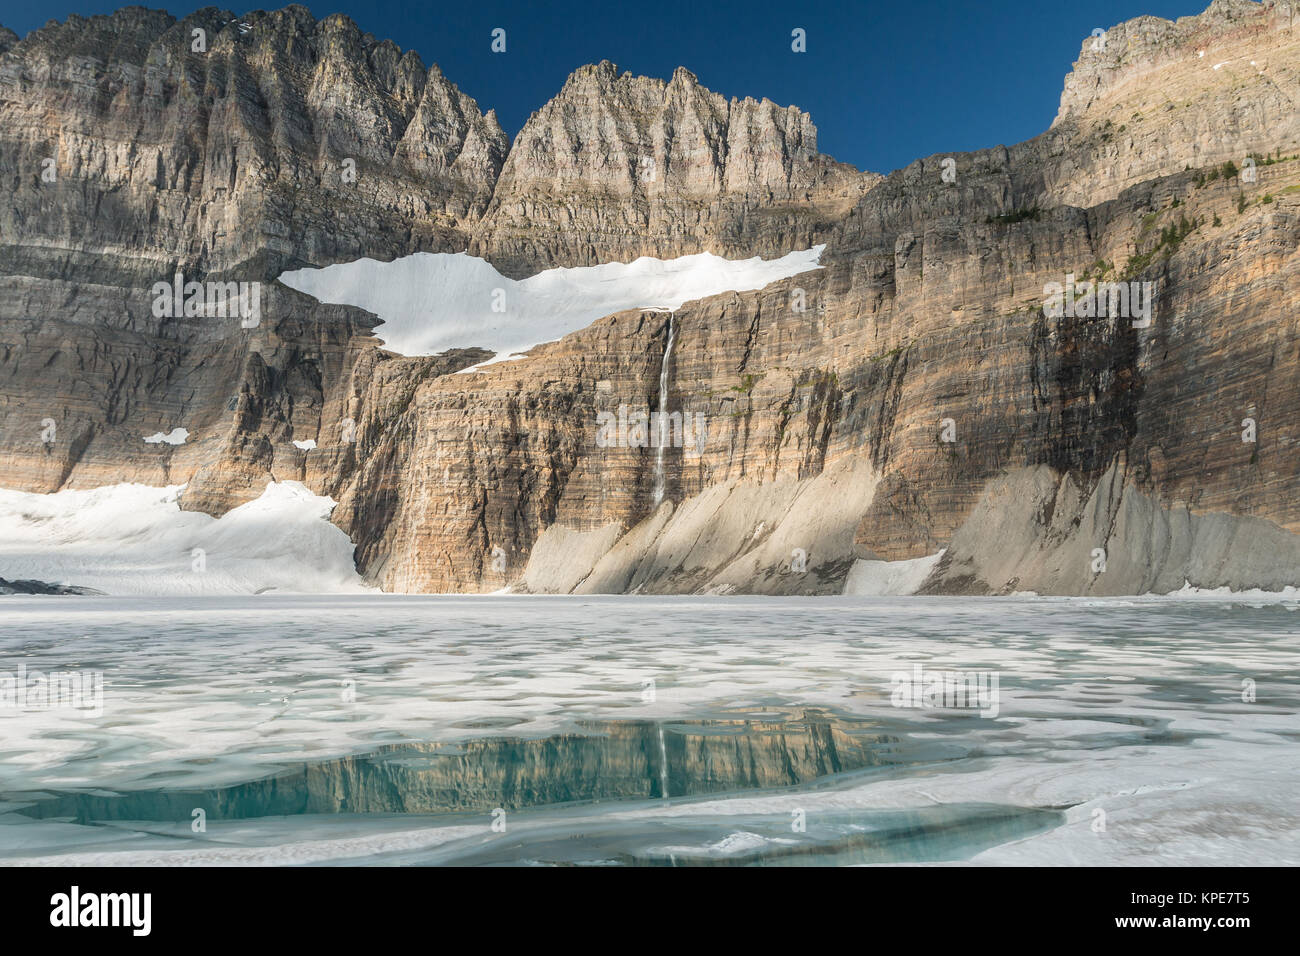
x: 285, y: 139
x: 872, y: 408
x: 618, y: 166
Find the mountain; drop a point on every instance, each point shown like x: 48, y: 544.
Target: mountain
x: 619, y: 166
x: 912, y: 392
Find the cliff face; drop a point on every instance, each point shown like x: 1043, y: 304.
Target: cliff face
x: 128, y: 156
x: 233, y: 158
x: 910, y: 396
x: 1154, y: 96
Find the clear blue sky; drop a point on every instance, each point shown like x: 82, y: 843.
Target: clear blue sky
x: 885, y: 82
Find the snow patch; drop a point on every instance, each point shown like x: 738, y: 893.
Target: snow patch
x: 135, y: 539
x: 1287, y: 593
x: 875, y: 578
x: 432, y: 302
x: 176, y: 436
x: 305, y: 445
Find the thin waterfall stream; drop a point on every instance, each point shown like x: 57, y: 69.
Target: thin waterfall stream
x: 663, y: 414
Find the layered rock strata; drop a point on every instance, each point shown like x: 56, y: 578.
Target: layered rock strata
x: 910, y: 396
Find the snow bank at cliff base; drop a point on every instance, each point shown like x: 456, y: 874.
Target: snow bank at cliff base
x: 135, y: 539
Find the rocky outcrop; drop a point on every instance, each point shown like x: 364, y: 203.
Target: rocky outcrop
x: 1150, y: 96
x: 910, y: 396
x: 619, y: 166
x: 40, y: 587
x: 136, y: 143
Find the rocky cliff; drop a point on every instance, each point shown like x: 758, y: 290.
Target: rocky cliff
x: 910, y: 396
x: 618, y: 166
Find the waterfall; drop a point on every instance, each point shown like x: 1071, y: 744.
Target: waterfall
x: 663, y: 415
x: 663, y: 765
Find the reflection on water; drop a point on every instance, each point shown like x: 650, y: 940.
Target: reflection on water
x: 607, y: 760
x: 632, y: 762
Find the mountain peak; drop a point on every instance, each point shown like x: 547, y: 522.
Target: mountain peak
x: 1138, y: 54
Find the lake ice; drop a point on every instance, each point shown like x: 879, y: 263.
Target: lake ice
x: 651, y: 730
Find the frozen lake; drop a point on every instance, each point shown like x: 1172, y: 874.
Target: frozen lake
x: 649, y: 730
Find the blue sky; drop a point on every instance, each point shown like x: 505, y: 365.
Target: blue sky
x: 885, y: 82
